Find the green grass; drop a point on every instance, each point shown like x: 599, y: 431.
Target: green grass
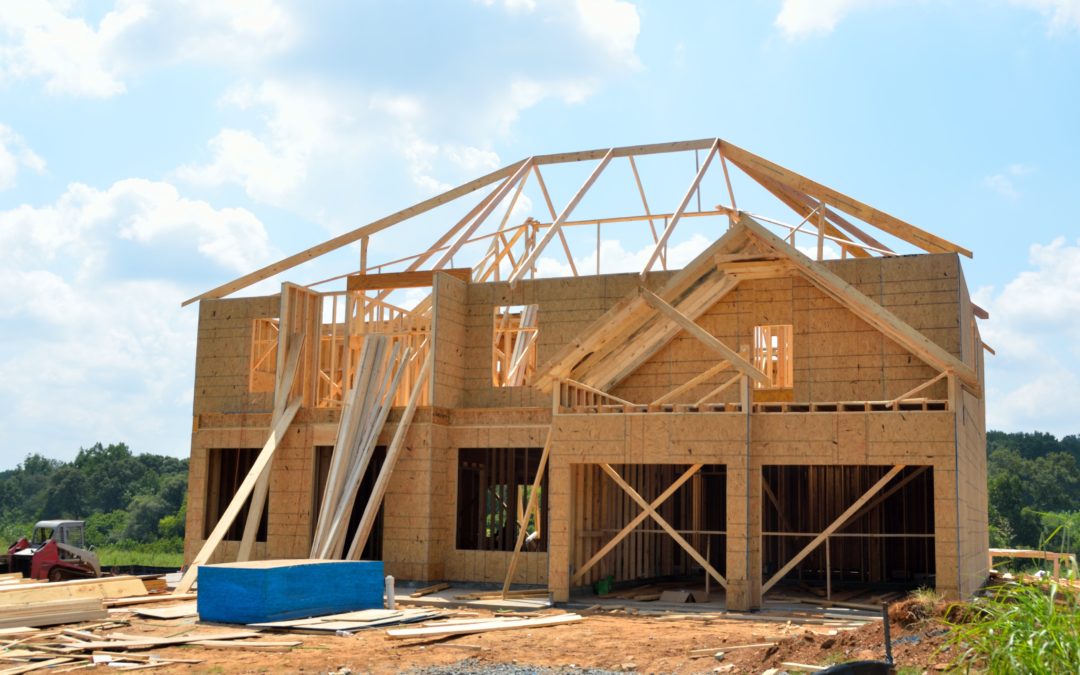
x: 1020, y: 628
x: 121, y: 555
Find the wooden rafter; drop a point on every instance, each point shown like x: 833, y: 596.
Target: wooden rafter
x: 865, y: 308
x: 530, y: 260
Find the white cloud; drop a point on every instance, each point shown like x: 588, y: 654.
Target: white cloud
x: 800, y: 18
x: 96, y: 344
x: 614, y: 24
x: 15, y: 154
x: 1004, y: 183
x: 81, y: 224
x: 1064, y: 14
x: 44, y: 39
x: 1034, y: 380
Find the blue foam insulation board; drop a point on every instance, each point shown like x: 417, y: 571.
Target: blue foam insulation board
x: 279, y: 590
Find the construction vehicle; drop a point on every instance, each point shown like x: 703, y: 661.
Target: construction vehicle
x: 55, y: 551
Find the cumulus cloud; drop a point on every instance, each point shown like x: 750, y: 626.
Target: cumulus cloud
x: 45, y: 39
x: 15, y: 155
x: 1034, y: 380
x: 96, y: 344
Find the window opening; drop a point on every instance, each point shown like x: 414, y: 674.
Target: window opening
x: 773, y: 356
x: 513, y: 354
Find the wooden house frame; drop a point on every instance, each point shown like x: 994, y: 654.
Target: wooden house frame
x: 761, y: 415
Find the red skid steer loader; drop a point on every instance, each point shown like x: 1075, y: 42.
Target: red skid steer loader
x: 55, y: 551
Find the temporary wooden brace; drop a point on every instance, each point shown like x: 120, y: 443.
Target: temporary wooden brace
x: 238, y: 500
x: 833, y: 527
x: 716, y: 392
x: 367, y: 521
x: 637, y: 520
x: 709, y: 340
x: 916, y: 390
x: 530, y: 260
x: 693, y: 382
x: 663, y: 523
x: 258, y: 496
x: 534, y: 502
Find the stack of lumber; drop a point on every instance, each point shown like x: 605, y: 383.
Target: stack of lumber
x: 468, y: 627
x: 378, y: 374
x: 49, y: 604
x: 279, y: 590
x: 352, y: 621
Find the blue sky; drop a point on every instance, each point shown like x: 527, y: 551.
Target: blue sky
x: 152, y: 149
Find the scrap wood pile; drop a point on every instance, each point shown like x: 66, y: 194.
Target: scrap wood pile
x: 30, y: 603
x: 25, y: 649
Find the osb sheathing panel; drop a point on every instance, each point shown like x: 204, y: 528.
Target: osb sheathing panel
x: 566, y: 307
x: 223, y: 353
x: 837, y: 356
x: 450, y: 296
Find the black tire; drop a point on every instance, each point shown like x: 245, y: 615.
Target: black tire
x: 57, y: 574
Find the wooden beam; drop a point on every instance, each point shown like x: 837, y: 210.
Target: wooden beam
x: 700, y: 559
x: 752, y: 163
x: 532, y: 505
x: 866, y: 309
x: 637, y: 520
x: 594, y: 390
x: 530, y: 260
x: 703, y: 336
x: 355, y: 235
x: 916, y: 390
x: 833, y: 527
x: 238, y: 500
x: 662, y: 242
x: 390, y: 280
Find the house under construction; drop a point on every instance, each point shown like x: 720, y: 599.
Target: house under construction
x: 801, y: 401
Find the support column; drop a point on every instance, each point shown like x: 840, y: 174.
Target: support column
x: 558, y: 527
x: 744, y: 520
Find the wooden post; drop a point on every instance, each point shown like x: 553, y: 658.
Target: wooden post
x: 533, y: 500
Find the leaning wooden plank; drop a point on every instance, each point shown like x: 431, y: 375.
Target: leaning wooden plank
x: 283, y: 387
x: 428, y: 590
x: 367, y: 521
x: 105, y: 587
x: 238, y: 500
x: 171, y: 612
x: 534, y: 500
x: 482, y: 627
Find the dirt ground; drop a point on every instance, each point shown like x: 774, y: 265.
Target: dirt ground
x: 603, y: 641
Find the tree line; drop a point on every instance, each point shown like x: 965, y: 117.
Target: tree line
x: 127, y: 500
x: 140, y: 500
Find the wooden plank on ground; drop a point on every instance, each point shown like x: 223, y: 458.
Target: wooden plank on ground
x: 482, y: 627
x: 428, y: 590
x: 170, y: 612
x: 52, y: 613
